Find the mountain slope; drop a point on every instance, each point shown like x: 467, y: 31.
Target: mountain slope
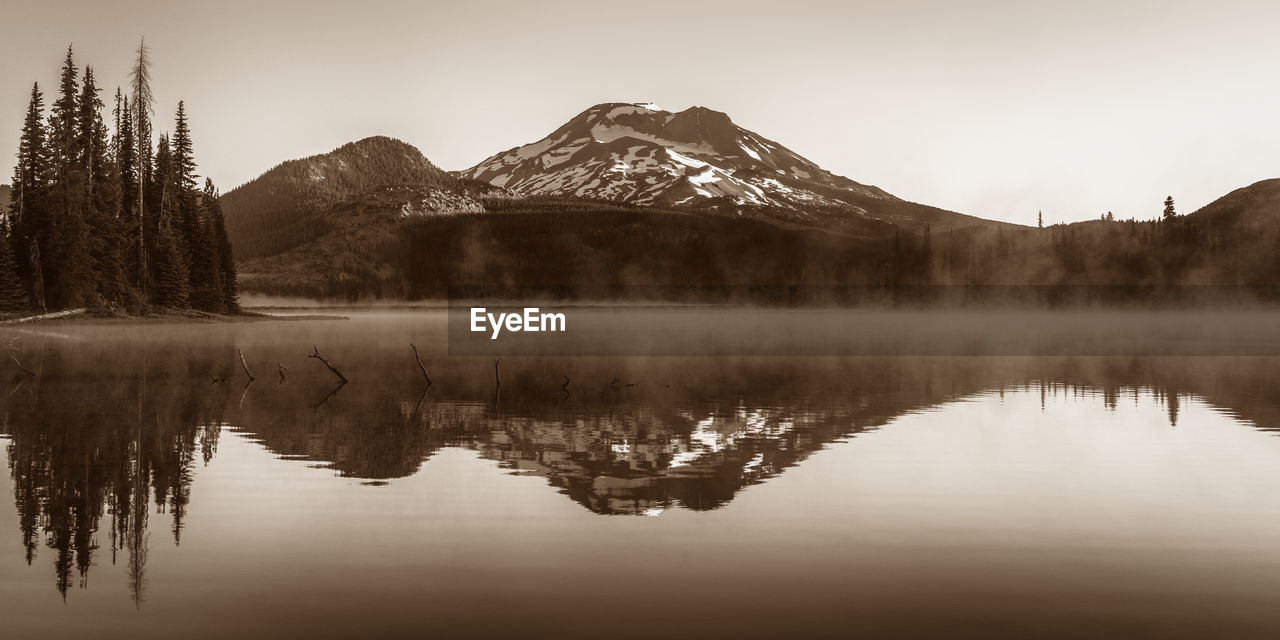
x: 693, y: 159
x: 285, y: 207
x: 1253, y: 207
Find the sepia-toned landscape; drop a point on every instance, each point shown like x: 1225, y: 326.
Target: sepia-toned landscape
x: 383, y: 320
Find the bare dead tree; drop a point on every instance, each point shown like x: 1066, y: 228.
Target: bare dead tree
x: 245, y: 366
x: 316, y: 355
x: 418, y: 358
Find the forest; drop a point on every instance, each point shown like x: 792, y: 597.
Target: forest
x: 1230, y: 249
x: 111, y: 218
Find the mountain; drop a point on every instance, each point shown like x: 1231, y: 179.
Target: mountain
x: 288, y: 205
x: 693, y: 159
x: 1254, y: 207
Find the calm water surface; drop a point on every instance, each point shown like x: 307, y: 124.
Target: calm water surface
x: 150, y: 492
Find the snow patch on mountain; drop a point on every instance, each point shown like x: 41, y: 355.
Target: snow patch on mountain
x: 642, y: 154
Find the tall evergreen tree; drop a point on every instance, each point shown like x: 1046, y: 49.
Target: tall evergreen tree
x: 1169, y: 211
x: 102, y: 196
x: 130, y: 208
x: 29, y: 206
x: 166, y: 256
x: 31, y: 174
x: 171, y: 286
x: 67, y: 270
x: 217, y: 238
x: 143, y: 100
x: 185, y: 198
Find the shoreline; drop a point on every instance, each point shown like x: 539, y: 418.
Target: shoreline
x: 83, y: 316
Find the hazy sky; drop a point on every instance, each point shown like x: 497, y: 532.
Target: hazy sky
x: 994, y: 108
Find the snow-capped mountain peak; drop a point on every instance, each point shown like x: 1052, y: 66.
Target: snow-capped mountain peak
x: 642, y: 154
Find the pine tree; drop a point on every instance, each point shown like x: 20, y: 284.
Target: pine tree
x: 102, y: 197
x: 29, y: 206
x: 67, y: 270
x: 205, y: 275
x: 159, y: 205
x: 130, y: 208
x: 1169, y: 211
x: 217, y: 238
x: 143, y: 100
x: 171, y: 287
x: 1040, y: 220
x: 187, y: 213
x: 167, y: 263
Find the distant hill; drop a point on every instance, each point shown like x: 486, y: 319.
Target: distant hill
x: 280, y: 209
x: 1256, y: 206
x: 697, y: 159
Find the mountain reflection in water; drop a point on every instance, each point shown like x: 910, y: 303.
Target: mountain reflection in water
x: 109, y: 433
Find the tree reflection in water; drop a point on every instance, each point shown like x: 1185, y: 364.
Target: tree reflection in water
x: 105, y: 434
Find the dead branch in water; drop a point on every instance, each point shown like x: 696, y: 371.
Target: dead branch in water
x: 283, y: 370
x: 420, y: 365
x: 245, y: 365
x: 24, y: 369
x: 319, y: 357
x: 497, y: 377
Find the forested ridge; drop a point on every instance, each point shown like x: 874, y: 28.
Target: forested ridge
x: 110, y: 216
x: 568, y: 243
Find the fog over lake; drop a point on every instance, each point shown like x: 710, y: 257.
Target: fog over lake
x: 152, y: 491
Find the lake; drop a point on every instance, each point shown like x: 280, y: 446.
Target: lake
x: 152, y: 491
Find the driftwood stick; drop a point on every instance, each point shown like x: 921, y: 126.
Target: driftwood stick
x: 244, y: 365
x: 319, y: 357
x: 284, y: 371
x: 24, y: 369
x: 420, y: 365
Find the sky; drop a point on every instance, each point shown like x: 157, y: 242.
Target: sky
x: 994, y: 108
